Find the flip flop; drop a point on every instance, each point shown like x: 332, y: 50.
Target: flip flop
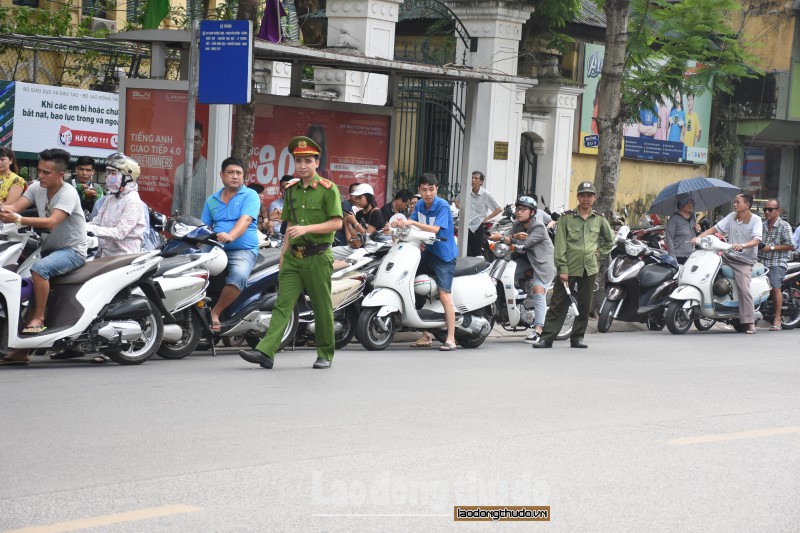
x: 101, y: 359
x: 447, y: 347
x: 33, y: 330
x: 216, y: 327
x: 421, y: 344
x: 775, y: 327
x: 13, y: 362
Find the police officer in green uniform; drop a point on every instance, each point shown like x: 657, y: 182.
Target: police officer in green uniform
x: 577, y: 249
x: 313, y: 210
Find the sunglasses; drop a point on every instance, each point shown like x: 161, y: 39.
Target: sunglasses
x: 770, y: 209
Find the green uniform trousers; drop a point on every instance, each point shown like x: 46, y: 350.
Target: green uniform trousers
x: 314, y: 274
x: 560, y: 303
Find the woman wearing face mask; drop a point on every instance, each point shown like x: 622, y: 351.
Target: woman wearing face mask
x: 11, y: 185
x: 119, y: 224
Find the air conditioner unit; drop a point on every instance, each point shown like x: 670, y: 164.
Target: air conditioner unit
x: 104, y: 24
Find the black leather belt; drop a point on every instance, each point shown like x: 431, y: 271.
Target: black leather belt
x: 307, y: 251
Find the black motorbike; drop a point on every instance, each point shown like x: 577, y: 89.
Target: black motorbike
x: 638, y: 284
x: 790, y: 290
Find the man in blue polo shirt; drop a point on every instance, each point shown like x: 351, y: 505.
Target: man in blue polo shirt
x: 232, y: 213
x: 439, y: 259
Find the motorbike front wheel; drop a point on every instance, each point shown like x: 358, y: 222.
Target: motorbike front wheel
x: 678, y: 319
x: 374, y: 332
x: 288, y: 334
x: 349, y: 319
x: 190, y: 324
x: 606, y: 315
x: 140, y: 350
x: 566, y: 329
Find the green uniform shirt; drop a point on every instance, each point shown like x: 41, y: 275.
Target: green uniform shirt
x: 315, y: 204
x: 578, y: 243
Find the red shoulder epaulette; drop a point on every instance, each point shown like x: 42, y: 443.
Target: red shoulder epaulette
x: 292, y: 182
x: 325, y: 183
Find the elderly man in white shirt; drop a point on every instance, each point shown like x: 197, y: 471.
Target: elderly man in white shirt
x: 482, y: 202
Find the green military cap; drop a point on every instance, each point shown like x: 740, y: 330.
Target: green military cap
x: 303, y: 146
x: 586, y: 186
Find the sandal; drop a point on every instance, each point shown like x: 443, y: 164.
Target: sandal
x: 100, y: 359
x: 421, y: 344
x: 216, y: 327
x: 447, y: 347
x: 751, y: 330
x: 13, y: 362
x: 775, y: 327
x: 34, y: 329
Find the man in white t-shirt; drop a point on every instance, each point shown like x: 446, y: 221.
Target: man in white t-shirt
x: 64, y: 248
x: 482, y: 202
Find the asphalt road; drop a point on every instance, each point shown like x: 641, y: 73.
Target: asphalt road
x: 641, y: 432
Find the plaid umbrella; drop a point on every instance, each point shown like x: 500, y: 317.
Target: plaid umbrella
x: 707, y: 194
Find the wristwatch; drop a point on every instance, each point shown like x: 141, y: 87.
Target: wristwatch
x: 772, y: 247
x: 19, y: 220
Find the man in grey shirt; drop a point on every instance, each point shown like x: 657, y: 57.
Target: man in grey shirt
x: 64, y: 248
x: 197, y: 195
x: 482, y: 202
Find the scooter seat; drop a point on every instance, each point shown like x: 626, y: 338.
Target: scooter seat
x: 466, y: 266
x: 93, y: 269
x: 267, y: 257
x: 758, y: 270
x: 168, y: 263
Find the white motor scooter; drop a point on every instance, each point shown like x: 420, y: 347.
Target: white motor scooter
x: 706, y: 289
x: 403, y: 299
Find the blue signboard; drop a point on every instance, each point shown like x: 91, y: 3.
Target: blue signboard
x: 591, y: 141
x: 226, y: 55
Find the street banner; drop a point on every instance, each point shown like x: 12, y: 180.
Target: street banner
x: 154, y: 137
x: 79, y: 121
x: 675, y: 130
x: 355, y: 147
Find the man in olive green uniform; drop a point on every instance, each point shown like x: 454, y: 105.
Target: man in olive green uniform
x: 576, y: 252
x: 313, y: 210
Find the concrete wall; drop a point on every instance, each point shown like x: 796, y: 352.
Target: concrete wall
x: 640, y: 181
x: 769, y: 31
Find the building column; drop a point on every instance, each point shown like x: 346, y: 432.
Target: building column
x: 366, y: 26
x: 554, y: 170
x: 497, y: 26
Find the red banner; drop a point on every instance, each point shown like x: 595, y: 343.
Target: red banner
x: 89, y: 139
x: 355, y: 147
x: 154, y: 137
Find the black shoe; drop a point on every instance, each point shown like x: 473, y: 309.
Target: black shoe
x: 543, y: 344
x: 257, y: 358
x: 577, y: 343
x: 321, y: 363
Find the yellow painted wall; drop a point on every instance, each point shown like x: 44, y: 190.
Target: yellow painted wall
x: 768, y: 33
x: 639, y: 183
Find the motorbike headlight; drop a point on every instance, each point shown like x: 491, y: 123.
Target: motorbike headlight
x: 403, y: 233
x: 180, y: 230
x: 501, y: 250
x: 634, y: 248
x: 705, y: 242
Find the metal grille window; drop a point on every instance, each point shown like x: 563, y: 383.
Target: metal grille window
x: 526, y: 182
x: 26, y: 3
x: 134, y: 9
x: 93, y: 8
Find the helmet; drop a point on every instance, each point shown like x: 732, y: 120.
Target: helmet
x: 216, y: 265
x: 722, y: 286
x: 425, y: 286
x: 123, y: 163
x: 526, y: 201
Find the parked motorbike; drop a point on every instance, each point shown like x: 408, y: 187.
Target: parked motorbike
x: 706, y: 289
x: 401, y: 299
x: 639, y: 281
x: 91, y: 309
x: 517, y: 310
x: 790, y: 291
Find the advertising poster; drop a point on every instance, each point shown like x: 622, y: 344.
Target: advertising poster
x: 6, y: 112
x: 79, y: 121
x: 154, y: 137
x: 355, y: 147
x: 675, y: 130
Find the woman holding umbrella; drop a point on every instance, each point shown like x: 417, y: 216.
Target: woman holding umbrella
x: 681, y: 229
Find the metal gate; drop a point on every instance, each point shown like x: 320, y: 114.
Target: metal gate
x: 430, y: 134
x: 526, y: 180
